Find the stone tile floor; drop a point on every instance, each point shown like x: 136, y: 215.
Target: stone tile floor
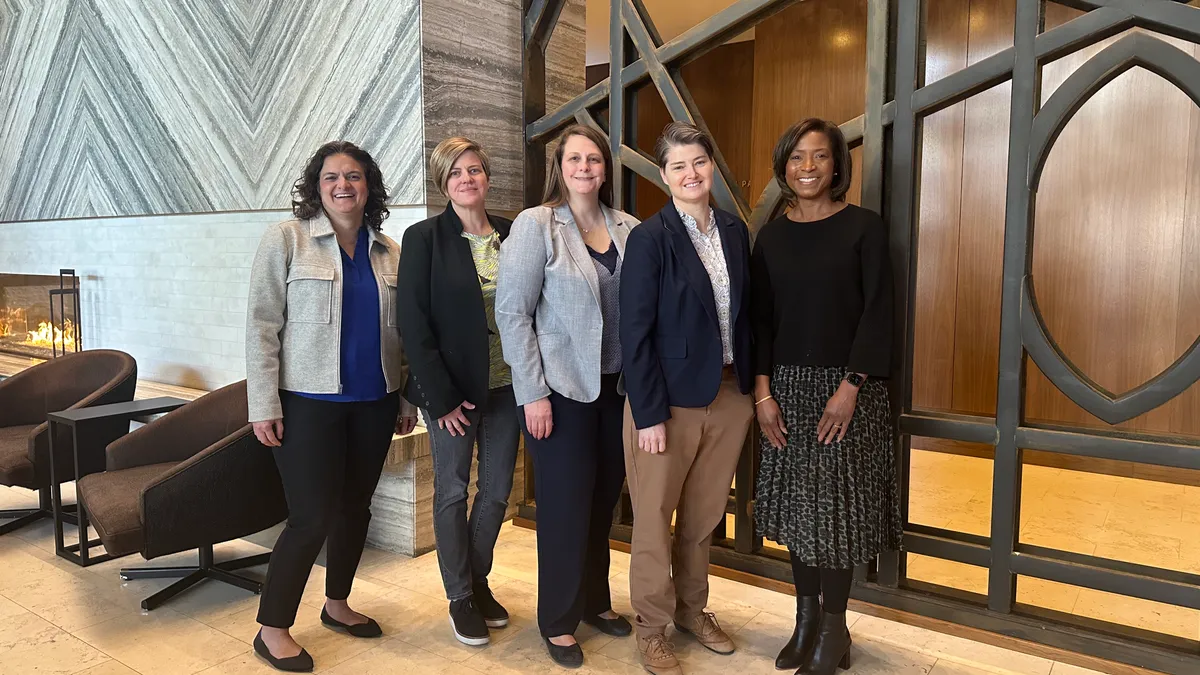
x: 59, y: 618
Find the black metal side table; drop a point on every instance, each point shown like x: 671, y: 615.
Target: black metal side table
x: 79, y: 420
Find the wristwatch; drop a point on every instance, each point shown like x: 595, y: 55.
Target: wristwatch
x: 855, y: 379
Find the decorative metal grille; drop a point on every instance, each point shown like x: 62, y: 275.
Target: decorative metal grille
x: 896, y: 102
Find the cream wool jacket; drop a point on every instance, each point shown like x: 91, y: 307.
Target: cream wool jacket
x: 293, y: 317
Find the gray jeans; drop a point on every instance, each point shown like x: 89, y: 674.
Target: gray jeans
x: 465, y: 544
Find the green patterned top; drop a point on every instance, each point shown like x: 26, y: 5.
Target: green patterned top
x: 485, y: 251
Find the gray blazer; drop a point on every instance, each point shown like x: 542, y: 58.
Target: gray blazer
x: 548, y: 303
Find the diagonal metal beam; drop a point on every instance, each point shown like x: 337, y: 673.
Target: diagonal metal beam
x: 692, y: 44
x: 541, y: 16
x: 643, y: 165
x: 1071, y: 36
x: 679, y: 105
x: 1170, y: 17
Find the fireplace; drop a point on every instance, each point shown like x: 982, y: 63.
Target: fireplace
x: 39, y: 314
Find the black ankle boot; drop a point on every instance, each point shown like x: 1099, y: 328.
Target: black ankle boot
x: 832, y: 648
x: 808, y: 619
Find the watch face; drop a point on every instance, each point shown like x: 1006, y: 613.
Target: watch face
x: 855, y: 379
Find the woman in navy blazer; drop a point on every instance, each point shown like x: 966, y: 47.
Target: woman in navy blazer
x: 685, y: 341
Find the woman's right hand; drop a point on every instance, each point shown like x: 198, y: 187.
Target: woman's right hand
x: 770, y: 421
x: 455, y: 420
x: 539, y: 418
x: 269, y: 432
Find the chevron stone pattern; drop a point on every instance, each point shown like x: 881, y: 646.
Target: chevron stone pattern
x: 136, y: 107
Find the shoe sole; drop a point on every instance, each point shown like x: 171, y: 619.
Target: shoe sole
x: 496, y: 623
x: 474, y: 642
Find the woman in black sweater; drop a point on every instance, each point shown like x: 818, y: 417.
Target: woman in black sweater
x: 822, y: 312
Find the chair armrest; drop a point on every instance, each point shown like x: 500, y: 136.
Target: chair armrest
x: 174, y: 437
x: 228, y: 490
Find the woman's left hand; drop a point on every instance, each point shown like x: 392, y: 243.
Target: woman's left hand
x: 838, y: 412
x: 405, y: 424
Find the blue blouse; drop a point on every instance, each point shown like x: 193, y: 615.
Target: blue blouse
x: 361, y: 360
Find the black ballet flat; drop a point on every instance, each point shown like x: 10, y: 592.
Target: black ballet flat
x: 567, y: 657
x: 300, y: 663
x: 370, y: 629
x: 618, y: 627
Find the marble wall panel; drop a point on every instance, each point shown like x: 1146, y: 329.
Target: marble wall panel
x: 471, y: 70
x: 124, y: 107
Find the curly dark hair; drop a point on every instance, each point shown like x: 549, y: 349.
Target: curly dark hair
x: 306, y: 193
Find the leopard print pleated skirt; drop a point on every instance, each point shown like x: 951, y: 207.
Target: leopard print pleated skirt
x: 836, y: 505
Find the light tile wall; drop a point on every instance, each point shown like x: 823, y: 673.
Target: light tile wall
x: 170, y: 290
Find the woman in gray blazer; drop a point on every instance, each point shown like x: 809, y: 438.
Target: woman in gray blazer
x: 558, y: 314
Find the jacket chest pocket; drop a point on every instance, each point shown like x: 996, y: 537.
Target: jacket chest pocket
x: 393, y: 320
x: 310, y: 294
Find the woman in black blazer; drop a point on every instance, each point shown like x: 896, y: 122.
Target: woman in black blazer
x: 446, y: 304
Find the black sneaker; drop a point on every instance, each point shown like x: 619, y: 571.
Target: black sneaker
x: 468, y: 623
x: 493, y: 612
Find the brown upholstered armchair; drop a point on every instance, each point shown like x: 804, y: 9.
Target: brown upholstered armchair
x: 79, y: 380
x: 193, y: 478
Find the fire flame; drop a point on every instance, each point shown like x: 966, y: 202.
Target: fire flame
x: 47, y: 335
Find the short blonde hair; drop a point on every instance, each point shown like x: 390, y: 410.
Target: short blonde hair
x: 443, y: 157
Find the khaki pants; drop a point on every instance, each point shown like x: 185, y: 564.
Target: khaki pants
x: 693, y: 478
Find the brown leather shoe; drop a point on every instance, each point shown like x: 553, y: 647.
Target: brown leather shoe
x: 707, y: 631
x: 658, y: 655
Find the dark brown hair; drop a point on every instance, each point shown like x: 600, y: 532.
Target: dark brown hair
x: 676, y: 134
x: 842, y: 164
x: 555, y: 193
x: 306, y: 192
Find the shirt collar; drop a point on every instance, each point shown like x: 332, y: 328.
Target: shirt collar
x: 690, y: 222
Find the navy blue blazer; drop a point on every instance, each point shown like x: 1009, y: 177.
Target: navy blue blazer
x: 670, y: 334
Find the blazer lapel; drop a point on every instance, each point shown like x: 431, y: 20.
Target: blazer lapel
x: 618, y: 230
x: 735, y: 257
x: 578, y: 250
x: 460, y: 257
x: 685, y: 252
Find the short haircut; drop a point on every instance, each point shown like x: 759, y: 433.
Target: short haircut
x: 555, y: 193
x: 443, y: 157
x: 842, y: 164
x: 677, y: 134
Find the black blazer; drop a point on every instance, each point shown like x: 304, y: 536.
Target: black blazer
x: 441, y: 315
x: 670, y: 334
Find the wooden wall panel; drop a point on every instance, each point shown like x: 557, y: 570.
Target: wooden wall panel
x: 940, y: 212
x: 981, y: 230
x: 1110, y: 235
x: 809, y: 61
x: 722, y: 84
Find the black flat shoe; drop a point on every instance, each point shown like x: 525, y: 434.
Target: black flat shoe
x: 567, y: 657
x: 370, y: 629
x: 618, y: 627
x: 300, y: 663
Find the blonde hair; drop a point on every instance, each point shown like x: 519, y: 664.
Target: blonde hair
x: 443, y: 157
x: 555, y: 193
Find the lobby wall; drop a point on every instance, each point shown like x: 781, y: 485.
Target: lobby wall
x: 147, y: 145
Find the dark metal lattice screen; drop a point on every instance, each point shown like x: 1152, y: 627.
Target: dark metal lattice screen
x: 896, y: 102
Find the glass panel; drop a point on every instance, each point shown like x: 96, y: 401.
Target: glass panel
x: 950, y: 491
x: 1138, y: 613
x: 1117, y: 510
x: 948, y: 573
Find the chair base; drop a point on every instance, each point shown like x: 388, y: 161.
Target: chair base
x: 192, y: 575
x: 25, y: 517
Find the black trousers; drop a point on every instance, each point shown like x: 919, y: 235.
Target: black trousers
x: 578, y: 473
x: 330, y: 461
